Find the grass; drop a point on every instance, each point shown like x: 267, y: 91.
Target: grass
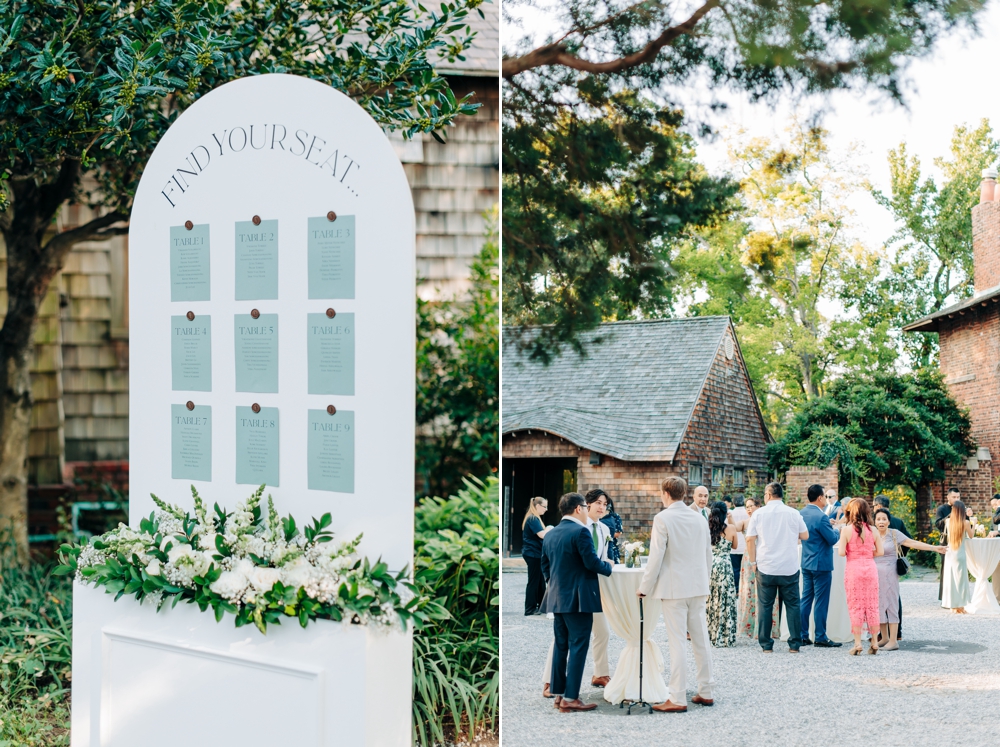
x: 35, y: 655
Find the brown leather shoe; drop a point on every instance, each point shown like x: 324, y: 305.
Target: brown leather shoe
x: 702, y: 701
x: 600, y: 681
x: 558, y: 701
x: 569, y: 706
x: 546, y: 693
x: 668, y: 707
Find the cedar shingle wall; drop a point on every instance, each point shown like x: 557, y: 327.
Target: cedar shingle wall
x: 725, y: 429
x: 453, y: 186
x: 45, y: 444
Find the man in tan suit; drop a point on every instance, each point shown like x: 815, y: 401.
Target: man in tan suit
x: 677, y: 572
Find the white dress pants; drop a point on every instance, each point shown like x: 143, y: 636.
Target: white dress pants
x: 598, y: 646
x: 683, y: 616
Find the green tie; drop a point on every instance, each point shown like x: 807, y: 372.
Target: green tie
x: 593, y: 529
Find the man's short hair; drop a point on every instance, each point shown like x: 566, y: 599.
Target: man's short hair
x: 570, y: 502
x: 954, y: 490
x: 882, y: 500
x: 814, y: 493
x: 996, y: 496
x: 776, y: 490
x: 739, y: 500
x: 675, y: 487
x: 596, y: 493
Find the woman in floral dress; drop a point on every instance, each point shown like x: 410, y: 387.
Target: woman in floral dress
x: 614, y: 523
x: 722, y: 591
x: 747, y: 620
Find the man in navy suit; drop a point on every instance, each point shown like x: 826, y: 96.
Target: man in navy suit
x: 817, y: 566
x: 570, y: 565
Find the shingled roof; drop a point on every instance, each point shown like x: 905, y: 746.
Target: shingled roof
x: 631, y: 397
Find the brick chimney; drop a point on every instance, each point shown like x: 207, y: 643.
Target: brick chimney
x: 986, y: 234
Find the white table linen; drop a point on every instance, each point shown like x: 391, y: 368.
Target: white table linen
x: 983, y: 555
x: 621, y: 609
x: 838, y: 619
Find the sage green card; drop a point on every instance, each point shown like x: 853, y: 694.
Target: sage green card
x: 331, y: 451
x: 191, y: 353
x: 331, y: 354
x: 331, y: 257
x: 191, y: 443
x: 257, y: 446
x: 189, y: 264
x: 256, y: 353
x: 256, y: 260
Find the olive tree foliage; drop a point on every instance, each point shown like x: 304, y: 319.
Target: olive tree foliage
x: 89, y: 86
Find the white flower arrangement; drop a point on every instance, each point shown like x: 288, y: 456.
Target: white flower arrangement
x: 632, y: 552
x: 254, y: 564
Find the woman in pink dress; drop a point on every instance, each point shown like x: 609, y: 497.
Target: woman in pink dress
x: 861, y: 543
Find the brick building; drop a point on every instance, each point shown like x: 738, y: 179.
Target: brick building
x: 969, y: 335
x: 650, y: 399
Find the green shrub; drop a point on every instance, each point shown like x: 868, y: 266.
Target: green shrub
x: 456, y: 674
x: 35, y: 657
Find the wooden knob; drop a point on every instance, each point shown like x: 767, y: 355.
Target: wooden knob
x: 331, y: 313
x: 331, y: 216
x: 255, y: 407
x: 256, y: 220
x: 255, y: 314
x: 190, y: 405
x: 331, y: 409
x: 188, y: 225
x: 190, y: 316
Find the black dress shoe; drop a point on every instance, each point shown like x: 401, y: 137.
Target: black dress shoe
x: 806, y: 642
x: 828, y: 644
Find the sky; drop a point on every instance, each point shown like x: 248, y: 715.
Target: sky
x: 956, y: 85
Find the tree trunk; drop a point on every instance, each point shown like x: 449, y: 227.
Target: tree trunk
x: 924, y: 501
x: 30, y: 268
x: 26, y: 288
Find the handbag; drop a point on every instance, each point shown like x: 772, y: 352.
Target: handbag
x: 902, y: 564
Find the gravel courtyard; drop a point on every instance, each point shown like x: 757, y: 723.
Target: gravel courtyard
x: 941, y: 688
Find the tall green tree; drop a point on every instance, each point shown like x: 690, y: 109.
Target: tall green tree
x: 886, y: 429
x: 596, y: 200
x: 670, y: 52
x: 930, y: 261
x: 89, y: 87
x: 776, y: 267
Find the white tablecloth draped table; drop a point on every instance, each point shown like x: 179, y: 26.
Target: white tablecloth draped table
x: 621, y: 609
x: 838, y: 620
x: 983, y: 557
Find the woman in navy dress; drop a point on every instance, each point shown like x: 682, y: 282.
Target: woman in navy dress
x: 613, y: 522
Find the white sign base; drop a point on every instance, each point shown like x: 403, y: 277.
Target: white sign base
x: 159, y: 679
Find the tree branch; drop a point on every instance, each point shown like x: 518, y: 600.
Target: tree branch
x: 557, y: 53
x: 61, y: 243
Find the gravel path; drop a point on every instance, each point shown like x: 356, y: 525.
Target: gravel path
x: 942, y: 689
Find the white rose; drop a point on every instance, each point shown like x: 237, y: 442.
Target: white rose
x: 153, y: 569
x: 244, y: 566
x: 263, y: 578
x: 296, y: 573
x: 177, y: 551
x: 230, y: 584
x: 207, y: 542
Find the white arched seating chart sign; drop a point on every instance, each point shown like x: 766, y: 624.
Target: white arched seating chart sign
x: 271, y: 282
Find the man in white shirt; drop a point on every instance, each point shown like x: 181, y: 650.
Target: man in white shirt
x: 700, y: 502
x: 597, y: 506
x: 773, y: 549
x: 677, y: 573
